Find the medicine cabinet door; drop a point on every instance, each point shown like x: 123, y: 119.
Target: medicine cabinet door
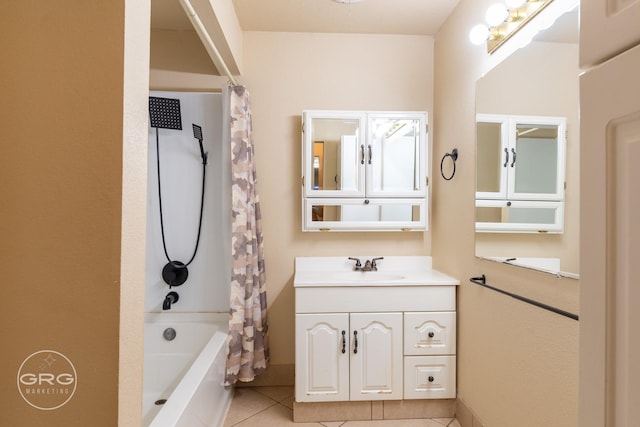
x: 520, y: 157
x: 537, y: 165
x: 333, y: 153
x: 396, y: 155
x: 492, y: 156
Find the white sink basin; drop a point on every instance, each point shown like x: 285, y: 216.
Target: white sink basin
x: 392, y: 271
x: 362, y: 277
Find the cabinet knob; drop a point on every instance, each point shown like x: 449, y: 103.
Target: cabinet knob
x: 431, y: 379
x: 431, y: 334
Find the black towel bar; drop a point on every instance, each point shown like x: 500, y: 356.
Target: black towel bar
x: 482, y: 281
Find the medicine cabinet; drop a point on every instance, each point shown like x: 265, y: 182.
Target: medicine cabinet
x: 520, y: 178
x: 364, y: 171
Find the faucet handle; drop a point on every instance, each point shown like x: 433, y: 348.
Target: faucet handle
x: 373, y: 260
x: 357, y: 260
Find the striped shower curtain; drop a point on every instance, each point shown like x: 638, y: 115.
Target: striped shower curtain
x: 247, y: 344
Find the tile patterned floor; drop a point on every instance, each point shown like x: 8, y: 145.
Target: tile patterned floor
x: 273, y: 407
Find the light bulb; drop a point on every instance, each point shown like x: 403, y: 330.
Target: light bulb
x: 496, y: 14
x: 479, y: 34
x: 515, y: 4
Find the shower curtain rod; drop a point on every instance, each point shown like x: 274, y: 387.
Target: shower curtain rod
x: 206, y: 39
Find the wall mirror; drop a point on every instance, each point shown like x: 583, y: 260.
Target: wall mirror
x: 527, y: 154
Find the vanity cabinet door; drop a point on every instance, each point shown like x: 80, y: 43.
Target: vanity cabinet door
x: 322, y: 357
x: 376, y: 356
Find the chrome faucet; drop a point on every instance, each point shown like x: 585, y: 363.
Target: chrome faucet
x: 358, y: 265
x: 171, y: 298
x: 374, y: 266
x: 369, y: 265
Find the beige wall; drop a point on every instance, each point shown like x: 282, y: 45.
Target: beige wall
x: 517, y: 364
x: 63, y: 103
x: 287, y: 73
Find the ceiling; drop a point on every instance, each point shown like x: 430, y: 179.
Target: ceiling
x: 416, y: 17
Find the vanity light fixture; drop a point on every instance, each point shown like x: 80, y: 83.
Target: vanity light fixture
x: 504, y: 20
x: 496, y: 14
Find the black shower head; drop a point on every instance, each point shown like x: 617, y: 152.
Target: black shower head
x: 197, y: 132
x: 165, y: 113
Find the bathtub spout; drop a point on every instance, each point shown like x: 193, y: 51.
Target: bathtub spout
x: 171, y: 298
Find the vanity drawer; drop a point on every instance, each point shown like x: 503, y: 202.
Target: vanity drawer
x: 429, y: 377
x: 429, y: 333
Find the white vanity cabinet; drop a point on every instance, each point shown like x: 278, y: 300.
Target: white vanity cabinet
x: 520, y: 181
x: 349, y: 356
x: 364, y: 170
x: 380, y: 336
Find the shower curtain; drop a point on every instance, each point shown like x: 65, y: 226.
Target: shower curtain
x: 247, y: 344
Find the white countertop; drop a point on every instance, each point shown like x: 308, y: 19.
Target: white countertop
x: 392, y: 271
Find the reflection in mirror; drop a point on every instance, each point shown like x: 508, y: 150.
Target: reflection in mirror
x: 336, y: 214
x: 489, y: 136
x: 397, y: 142
x: 540, y: 80
x: 495, y: 216
x: 335, y: 154
x: 536, y: 147
x: 370, y: 212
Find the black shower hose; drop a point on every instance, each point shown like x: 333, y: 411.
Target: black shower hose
x: 164, y: 244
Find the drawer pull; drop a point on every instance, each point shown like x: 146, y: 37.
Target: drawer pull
x: 431, y: 334
x: 355, y: 342
x: 344, y: 342
x: 431, y: 379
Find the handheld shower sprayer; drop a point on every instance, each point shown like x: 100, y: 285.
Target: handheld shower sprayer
x: 197, y: 134
x: 164, y: 113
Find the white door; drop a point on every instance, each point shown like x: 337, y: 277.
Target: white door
x: 322, y: 357
x: 610, y: 240
x: 376, y: 356
x: 607, y: 28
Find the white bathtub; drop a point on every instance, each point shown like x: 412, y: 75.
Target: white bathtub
x: 188, y: 371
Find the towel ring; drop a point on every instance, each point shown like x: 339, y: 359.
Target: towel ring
x: 454, y: 157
